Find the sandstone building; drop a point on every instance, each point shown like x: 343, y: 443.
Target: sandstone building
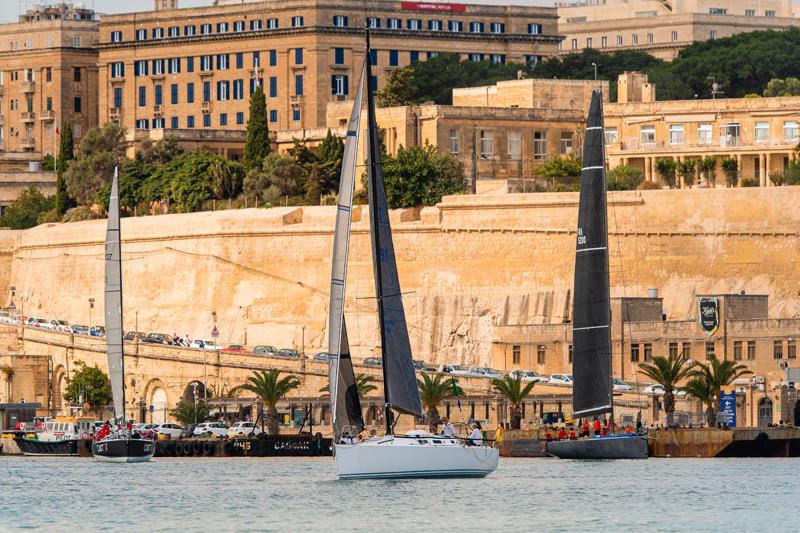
x: 663, y: 27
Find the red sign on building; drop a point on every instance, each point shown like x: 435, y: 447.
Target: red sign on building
x: 433, y: 6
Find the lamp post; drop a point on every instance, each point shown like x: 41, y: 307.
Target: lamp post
x: 595, y: 70
x: 215, y: 335
x: 194, y: 394
x: 91, y: 306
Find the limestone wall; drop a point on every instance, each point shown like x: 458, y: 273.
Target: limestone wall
x: 467, y: 265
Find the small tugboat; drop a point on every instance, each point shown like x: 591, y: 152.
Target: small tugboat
x: 60, y: 437
x: 120, y: 445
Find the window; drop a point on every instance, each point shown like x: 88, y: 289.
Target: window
x: 48, y: 75
x: 117, y: 70
x: 190, y: 93
x: 273, y: 115
x: 588, y: 42
x: 238, y: 89
x: 717, y: 10
x: 373, y: 56
x: 173, y: 31
x: 777, y: 349
x: 762, y: 132
x: 414, y: 24
x: 712, y: 34
x: 223, y: 119
x: 673, y: 350
x: 338, y: 56
x: 610, y: 135
x: 540, y: 353
x: 751, y: 350
x: 790, y: 131
x: 535, y: 29
x: 223, y: 62
x: 454, y: 141
x: 514, y: 145
x: 394, y: 24
x: 634, y: 353
x: 295, y: 113
x: 256, y: 59
x: 709, y: 349
x: 339, y: 85
x: 737, y: 350
x: 159, y: 95
x: 174, y: 123
x: 206, y: 63
x: 435, y: 25
x: 189, y: 64
x: 566, y: 142
x: 173, y: 91
x: 239, y: 60
x: 393, y: 55
x: 648, y: 352
x: 487, y: 144
x: 142, y: 124
x: 206, y: 91
x: 222, y: 27
x: 455, y: 25
x: 634, y: 39
x: 340, y: 21
x: 273, y: 86
x: 497, y: 27
x: 158, y: 33
x: 297, y: 22
x: 141, y: 35
x: 749, y: 12
x: 649, y: 38
x: 239, y: 118
x: 704, y: 135
x: 516, y: 353
x: 174, y: 65
x: 256, y: 24
x: 190, y: 122
x: 207, y: 120
x: 272, y: 24
x: 791, y: 349
x: 116, y: 36
x: 769, y: 13
x: 205, y: 29
x: 533, y: 59
x: 687, y: 350
x: 142, y: 96
x: 273, y: 58
x: 158, y: 123
x: 603, y: 42
x: 676, y: 134
x: 475, y: 56
x: 189, y: 30
x: 539, y: 144
x: 76, y: 75
x: 298, y: 85
x: 647, y: 135
x: 117, y: 97
x: 238, y: 26
x: 569, y: 353
x: 497, y: 59
x: 574, y: 44
x: 158, y: 67
x: 619, y: 40
x: 476, y: 27
x: 674, y: 37
x: 298, y: 56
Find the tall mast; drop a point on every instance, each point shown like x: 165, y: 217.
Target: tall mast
x: 113, y: 302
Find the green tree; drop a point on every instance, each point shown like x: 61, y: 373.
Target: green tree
x: 783, y: 87
x: 668, y: 372
x: 48, y: 163
x: 624, y: 178
x: 421, y: 176
x: 514, y: 392
x: 227, y: 178
x: 708, y: 379
x: 792, y: 173
x: 364, y: 385
x: 686, y: 170
x: 730, y: 169
x: 280, y: 171
x: 158, y: 152
x: 270, y: 390
x: 65, y: 155
x: 708, y: 169
x: 257, y: 145
x: 88, y: 385
x: 132, y: 177
x: 193, y: 183
x: 329, y: 157
x: 190, y: 412
x: 98, y: 153
x: 563, y: 173
x: 433, y: 391
x: 24, y: 212
x: 667, y: 171
x: 399, y: 90
x: 777, y: 178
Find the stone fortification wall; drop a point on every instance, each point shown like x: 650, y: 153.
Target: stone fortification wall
x: 467, y: 265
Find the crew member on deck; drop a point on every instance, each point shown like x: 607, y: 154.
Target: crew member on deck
x: 562, y: 434
x: 449, y: 429
x: 585, y: 428
x: 597, y: 426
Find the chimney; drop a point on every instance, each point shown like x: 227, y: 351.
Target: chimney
x: 161, y: 5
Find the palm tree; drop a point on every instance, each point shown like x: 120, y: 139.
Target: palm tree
x: 364, y: 385
x: 707, y: 381
x: 270, y: 389
x: 222, y: 392
x: 668, y: 372
x: 432, y: 391
x: 513, y: 391
x: 191, y: 412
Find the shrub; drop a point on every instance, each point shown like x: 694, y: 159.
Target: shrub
x: 749, y: 182
x: 624, y: 178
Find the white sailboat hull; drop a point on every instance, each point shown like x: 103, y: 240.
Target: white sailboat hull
x: 406, y: 457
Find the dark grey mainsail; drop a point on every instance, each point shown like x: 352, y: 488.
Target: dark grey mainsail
x: 113, y: 303
x: 345, y: 405
x: 591, y: 341
x: 399, y: 376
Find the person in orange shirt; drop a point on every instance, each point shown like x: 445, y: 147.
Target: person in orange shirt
x: 585, y: 428
x: 572, y: 435
x: 562, y: 434
x: 548, y: 436
x: 597, y: 427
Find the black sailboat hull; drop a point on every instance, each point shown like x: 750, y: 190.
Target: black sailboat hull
x: 614, y: 447
x: 124, y: 450
x: 47, y: 448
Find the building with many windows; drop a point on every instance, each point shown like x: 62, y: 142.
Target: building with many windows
x: 48, y: 77
x: 190, y: 69
x: 663, y: 27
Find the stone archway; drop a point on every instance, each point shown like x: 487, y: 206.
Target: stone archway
x: 194, y: 387
x: 159, y: 402
x: 59, y: 389
x: 764, y: 412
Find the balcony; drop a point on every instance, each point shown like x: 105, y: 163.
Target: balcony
x: 28, y: 86
x: 296, y: 99
x: 158, y: 110
x: 114, y: 113
x: 205, y: 107
x: 47, y: 116
x: 28, y: 143
x: 28, y: 116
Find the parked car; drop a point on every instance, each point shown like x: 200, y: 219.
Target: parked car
x: 485, y: 372
x: 79, y: 330
x: 656, y: 389
x: 188, y: 431
x: 455, y: 370
x: 200, y: 344
x: 560, y: 379
x: 265, y: 349
x: 34, y: 322
x: 8, y: 319
x: 288, y: 352
x: 144, y: 428
x: 528, y: 375
x: 131, y: 335
x: 373, y: 361
x: 419, y: 364
x: 158, y: 338
x: 172, y: 431
x: 236, y: 348
x: 243, y: 428
x: 97, y: 331
x: 323, y: 356
x: 621, y: 386
x: 56, y: 325
x: 211, y: 429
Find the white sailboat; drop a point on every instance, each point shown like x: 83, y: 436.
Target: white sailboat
x: 120, y: 445
x: 417, y: 453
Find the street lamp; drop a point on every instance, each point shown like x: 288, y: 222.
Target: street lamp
x: 194, y: 394
x: 91, y: 306
x: 595, y: 70
x: 215, y: 336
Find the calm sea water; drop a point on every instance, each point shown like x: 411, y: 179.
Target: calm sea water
x: 250, y: 494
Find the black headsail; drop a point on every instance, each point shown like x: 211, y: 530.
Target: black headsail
x: 591, y: 316
x: 399, y: 376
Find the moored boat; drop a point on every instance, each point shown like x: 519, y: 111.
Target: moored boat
x: 60, y: 437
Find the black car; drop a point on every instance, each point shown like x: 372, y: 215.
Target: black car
x: 129, y: 336
x: 373, y: 361
x: 288, y: 352
x: 158, y: 338
x: 265, y: 350
x: 323, y: 356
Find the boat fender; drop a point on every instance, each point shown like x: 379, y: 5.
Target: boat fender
x: 187, y: 448
x: 170, y: 448
x: 228, y: 448
x: 207, y: 448
x: 196, y: 447
x: 85, y: 435
x: 318, y: 438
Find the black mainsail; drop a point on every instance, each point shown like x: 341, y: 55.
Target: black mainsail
x: 591, y: 316
x: 399, y: 376
x: 345, y: 404
x: 113, y: 303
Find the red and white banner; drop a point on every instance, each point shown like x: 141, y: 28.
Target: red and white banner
x: 433, y: 6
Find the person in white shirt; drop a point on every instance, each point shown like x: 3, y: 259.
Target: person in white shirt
x: 449, y: 429
x: 476, y: 437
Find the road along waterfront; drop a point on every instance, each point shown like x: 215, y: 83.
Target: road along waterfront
x: 303, y: 494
